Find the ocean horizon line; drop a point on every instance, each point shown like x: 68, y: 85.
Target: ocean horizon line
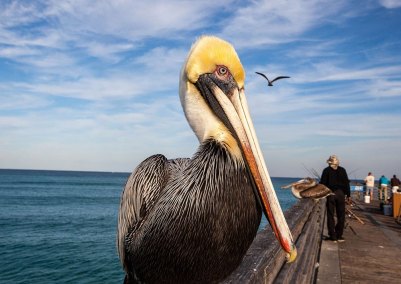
x: 95, y: 171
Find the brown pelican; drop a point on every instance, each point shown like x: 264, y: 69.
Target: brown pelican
x: 309, y: 188
x: 192, y: 220
x: 270, y: 82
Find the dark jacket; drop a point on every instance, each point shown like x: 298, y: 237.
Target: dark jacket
x: 395, y: 182
x: 336, y: 179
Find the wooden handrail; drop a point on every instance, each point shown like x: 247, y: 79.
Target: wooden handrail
x: 265, y: 259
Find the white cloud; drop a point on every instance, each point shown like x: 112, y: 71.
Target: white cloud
x: 274, y: 22
x: 390, y: 4
x: 102, y: 29
x: 116, y: 86
x: 15, y: 52
x: 63, y: 79
x: 16, y: 13
x: 21, y: 101
x: 132, y: 19
x: 96, y: 137
x: 372, y: 73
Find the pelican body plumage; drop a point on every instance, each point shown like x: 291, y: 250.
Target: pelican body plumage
x: 309, y: 188
x: 192, y: 220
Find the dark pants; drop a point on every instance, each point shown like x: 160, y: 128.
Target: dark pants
x: 336, y: 203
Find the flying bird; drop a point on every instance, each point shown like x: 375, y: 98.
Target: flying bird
x: 192, y: 220
x: 270, y: 82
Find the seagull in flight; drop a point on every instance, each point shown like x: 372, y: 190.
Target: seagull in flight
x: 270, y: 83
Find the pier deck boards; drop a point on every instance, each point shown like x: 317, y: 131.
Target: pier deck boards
x: 371, y: 252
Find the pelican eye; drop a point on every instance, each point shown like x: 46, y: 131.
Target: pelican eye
x: 222, y: 72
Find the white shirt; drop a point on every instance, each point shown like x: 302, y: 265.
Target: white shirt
x: 370, y: 181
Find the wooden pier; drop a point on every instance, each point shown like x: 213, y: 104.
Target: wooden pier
x: 371, y: 252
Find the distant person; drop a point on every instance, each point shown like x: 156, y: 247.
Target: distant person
x: 395, y: 184
x: 370, y: 184
x: 383, y: 183
x: 336, y: 178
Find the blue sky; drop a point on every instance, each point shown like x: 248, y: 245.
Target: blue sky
x: 93, y: 85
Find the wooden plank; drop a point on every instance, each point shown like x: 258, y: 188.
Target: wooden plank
x: 303, y: 270
x: 264, y: 260
x: 371, y: 252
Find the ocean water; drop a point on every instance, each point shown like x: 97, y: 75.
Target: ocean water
x: 60, y: 226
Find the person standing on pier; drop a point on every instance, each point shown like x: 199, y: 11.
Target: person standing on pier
x: 336, y: 178
x: 370, y: 184
x: 383, y: 182
x: 395, y: 184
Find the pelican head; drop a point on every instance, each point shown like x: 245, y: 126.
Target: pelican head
x: 213, y: 98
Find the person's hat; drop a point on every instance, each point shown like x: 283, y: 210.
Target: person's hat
x: 333, y: 160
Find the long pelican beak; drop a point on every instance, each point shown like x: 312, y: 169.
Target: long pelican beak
x: 229, y: 103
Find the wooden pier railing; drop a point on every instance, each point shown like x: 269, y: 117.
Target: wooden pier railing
x: 265, y: 260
